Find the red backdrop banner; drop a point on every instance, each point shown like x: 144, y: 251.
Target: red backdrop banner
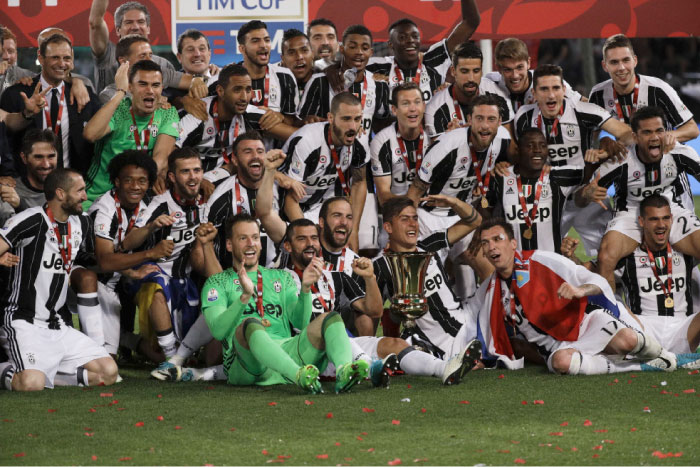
x: 527, y: 19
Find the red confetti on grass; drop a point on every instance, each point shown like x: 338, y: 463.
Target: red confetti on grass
x: 322, y: 456
x: 106, y: 394
x: 359, y: 438
x: 601, y: 430
x: 121, y: 409
x: 423, y: 410
x: 125, y: 459
x: 659, y: 454
x: 139, y: 424
x: 177, y: 428
x: 160, y: 418
x: 574, y: 449
x: 18, y: 455
x: 408, y: 386
x: 595, y: 455
x: 520, y: 461
x: 646, y: 410
x: 367, y: 410
x: 395, y: 422
x: 598, y: 447
x: 504, y: 451
x: 92, y: 410
x: 564, y: 424
x: 369, y: 450
x: 284, y: 457
x: 8, y: 420
x: 502, y: 376
x: 272, y: 403
x: 347, y: 459
x: 210, y: 387
x: 394, y: 462
x: 337, y: 444
x: 232, y: 429
x: 690, y: 390
x: 693, y: 372
x: 634, y: 429
x: 52, y: 411
x: 523, y: 402
x: 363, y: 433
x: 308, y: 402
x: 465, y: 402
x: 538, y: 402
x: 559, y: 434
x: 608, y: 441
x: 587, y: 423
x: 265, y: 452
x: 159, y: 395
x: 89, y: 434
x: 94, y: 458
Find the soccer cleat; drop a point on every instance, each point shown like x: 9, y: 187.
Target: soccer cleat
x: 461, y: 363
x: 307, y: 378
x: 347, y: 375
x: 167, y: 371
x: 666, y: 362
x: 187, y: 375
x: 688, y: 361
x: 381, y: 369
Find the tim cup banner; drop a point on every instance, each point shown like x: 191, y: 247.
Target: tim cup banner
x: 527, y: 19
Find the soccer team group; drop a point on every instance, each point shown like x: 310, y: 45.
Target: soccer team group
x: 218, y: 211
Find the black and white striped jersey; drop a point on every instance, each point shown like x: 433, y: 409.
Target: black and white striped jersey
x: 635, y: 180
x: 38, y: 285
x: 434, y: 66
x: 282, y: 95
x: 231, y: 197
x: 546, y: 225
x: 187, y: 219
x: 571, y: 137
x: 441, y: 109
x: 445, y: 314
x: 107, y: 226
x: 388, y: 159
x: 652, y: 91
x: 336, y: 288
x: 448, y: 169
x: 204, y: 137
x: 522, y: 99
x: 644, y: 294
x: 318, y: 95
x: 309, y: 161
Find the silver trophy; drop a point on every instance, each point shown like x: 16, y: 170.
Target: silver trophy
x: 408, y: 277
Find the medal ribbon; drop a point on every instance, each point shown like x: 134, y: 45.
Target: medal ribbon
x: 482, y: 182
x: 399, y: 76
x: 47, y: 114
x: 225, y: 139
x: 315, y: 290
x: 336, y: 161
x: 630, y: 109
x: 554, y: 131
x: 63, y: 247
x: 259, y: 295
x: 665, y: 285
x: 404, y: 153
x: 147, y: 130
x: 532, y: 214
x: 363, y: 92
x: 120, y: 237
x: 458, y: 108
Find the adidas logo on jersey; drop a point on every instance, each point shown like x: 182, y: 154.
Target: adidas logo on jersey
x: 510, y: 191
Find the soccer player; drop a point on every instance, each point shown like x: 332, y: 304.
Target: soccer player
x: 114, y: 215
x: 397, y: 151
x: 323, y: 36
x: 329, y: 160
x: 656, y: 279
x: 570, y: 127
x: 229, y: 114
x: 532, y: 199
x: 251, y: 309
x: 298, y: 57
x: 351, y: 75
x: 167, y: 300
x: 132, y: 123
x: 562, y: 309
x: 44, y: 349
x: 436, y: 330
x: 428, y: 70
x: 514, y: 76
x: 626, y: 91
x: 450, y: 106
x: 459, y: 165
x: 274, y: 86
x: 649, y: 168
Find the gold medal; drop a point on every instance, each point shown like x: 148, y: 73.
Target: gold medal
x: 484, y: 202
x: 266, y: 322
x: 527, y: 234
x: 668, y: 303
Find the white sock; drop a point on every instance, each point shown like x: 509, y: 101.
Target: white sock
x: 90, y: 315
x: 79, y: 378
x: 358, y: 353
x: 208, y: 373
x: 416, y: 362
x: 167, y: 342
x: 197, y: 336
x: 7, y: 372
x: 647, y: 347
x: 601, y: 364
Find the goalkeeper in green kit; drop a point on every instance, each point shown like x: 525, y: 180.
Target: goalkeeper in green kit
x: 252, y: 309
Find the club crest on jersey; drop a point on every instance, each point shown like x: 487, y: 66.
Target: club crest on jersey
x: 668, y: 171
x: 545, y: 191
x: 676, y: 259
x: 368, y: 102
x: 278, y: 286
x: 154, y: 130
x: 212, y: 295
x: 31, y: 358
x: 257, y: 95
x: 571, y: 131
x: 653, y: 175
x: 273, y: 94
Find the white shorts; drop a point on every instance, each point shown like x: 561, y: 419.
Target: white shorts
x: 597, y: 329
x: 684, y: 224
x: 428, y: 223
x: 50, y: 351
x: 589, y: 223
x: 369, y: 224
x: 670, y: 332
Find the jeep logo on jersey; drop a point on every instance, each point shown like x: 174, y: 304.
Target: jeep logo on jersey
x: 654, y: 285
x: 183, y: 236
x: 54, y: 263
x: 322, y: 182
x: 463, y: 184
x: 641, y: 192
x: 402, y: 178
x: 561, y: 151
x: 516, y: 213
x: 274, y: 310
x: 434, y: 283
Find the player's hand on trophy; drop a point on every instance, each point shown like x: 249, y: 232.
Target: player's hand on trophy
x: 312, y: 273
x: 206, y: 233
x: 567, y: 291
x: 363, y: 267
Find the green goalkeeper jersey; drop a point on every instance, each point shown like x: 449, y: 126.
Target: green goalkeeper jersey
x: 283, y: 306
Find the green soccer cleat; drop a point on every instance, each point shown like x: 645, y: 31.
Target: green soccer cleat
x: 347, y: 375
x: 307, y: 378
x: 381, y: 369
